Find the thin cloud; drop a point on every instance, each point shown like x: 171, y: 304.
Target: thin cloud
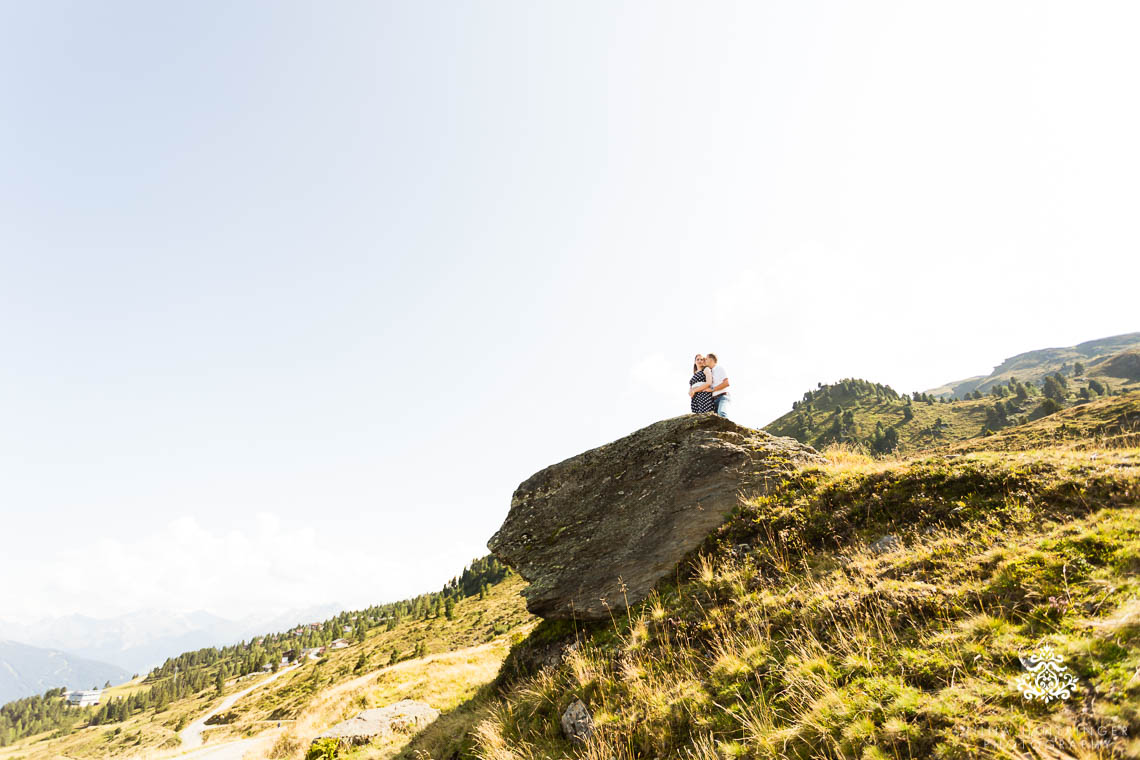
x: 264, y: 566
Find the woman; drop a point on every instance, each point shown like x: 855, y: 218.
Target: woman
x: 699, y: 387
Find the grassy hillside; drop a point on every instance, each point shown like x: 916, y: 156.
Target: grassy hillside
x: 879, y: 420
x: 304, y: 695
x: 789, y: 636
x: 1111, y: 422
x: 860, y: 412
x: 397, y: 653
x: 1033, y: 366
x: 1124, y: 366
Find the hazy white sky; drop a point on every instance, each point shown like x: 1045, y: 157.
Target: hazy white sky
x: 295, y: 294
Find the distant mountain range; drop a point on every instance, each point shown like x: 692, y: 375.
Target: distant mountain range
x: 1033, y: 366
x: 27, y: 670
x: 139, y: 641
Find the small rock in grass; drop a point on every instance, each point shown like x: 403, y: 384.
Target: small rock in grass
x: 887, y: 543
x: 577, y: 725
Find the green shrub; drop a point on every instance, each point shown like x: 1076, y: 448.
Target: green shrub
x: 323, y: 749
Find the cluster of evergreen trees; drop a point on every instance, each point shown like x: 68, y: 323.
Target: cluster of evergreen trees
x: 1006, y: 409
x: 34, y: 715
x: 477, y: 577
x: 999, y: 416
x: 884, y: 440
x: 842, y: 398
x: 1055, y: 387
x: 1055, y: 392
x: 157, y: 698
x: 1012, y: 387
x: 842, y: 427
x: 191, y: 673
x: 844, y: 392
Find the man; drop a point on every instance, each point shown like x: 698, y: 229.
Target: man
x: 721, y: 397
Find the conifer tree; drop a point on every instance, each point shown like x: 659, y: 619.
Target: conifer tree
x: 1053, y: 389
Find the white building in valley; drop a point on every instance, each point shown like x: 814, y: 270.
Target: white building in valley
x: 85, y: 698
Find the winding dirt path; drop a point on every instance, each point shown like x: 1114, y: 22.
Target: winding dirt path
x: 235, y: 750
x: 192, y: 735
x: 256, y: 748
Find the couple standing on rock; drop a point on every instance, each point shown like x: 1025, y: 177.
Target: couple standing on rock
x: 708, y: 387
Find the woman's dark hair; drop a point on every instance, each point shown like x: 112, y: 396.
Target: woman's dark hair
x: 694, y: 368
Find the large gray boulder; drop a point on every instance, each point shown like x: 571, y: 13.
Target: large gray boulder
x: 405, y: 716
x: 597, y: 531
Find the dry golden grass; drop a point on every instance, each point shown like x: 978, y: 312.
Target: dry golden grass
x: 444, y: 681
x: 846, y: 457
x: 125, y: 689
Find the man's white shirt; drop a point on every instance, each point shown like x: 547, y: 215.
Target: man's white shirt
x: 718, y: 377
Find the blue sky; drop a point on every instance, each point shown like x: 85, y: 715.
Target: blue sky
x: 294, y: 295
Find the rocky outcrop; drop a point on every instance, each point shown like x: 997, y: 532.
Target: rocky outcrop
x: 597, y: 531
x: 577, y: 724
x: 405, y: 716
